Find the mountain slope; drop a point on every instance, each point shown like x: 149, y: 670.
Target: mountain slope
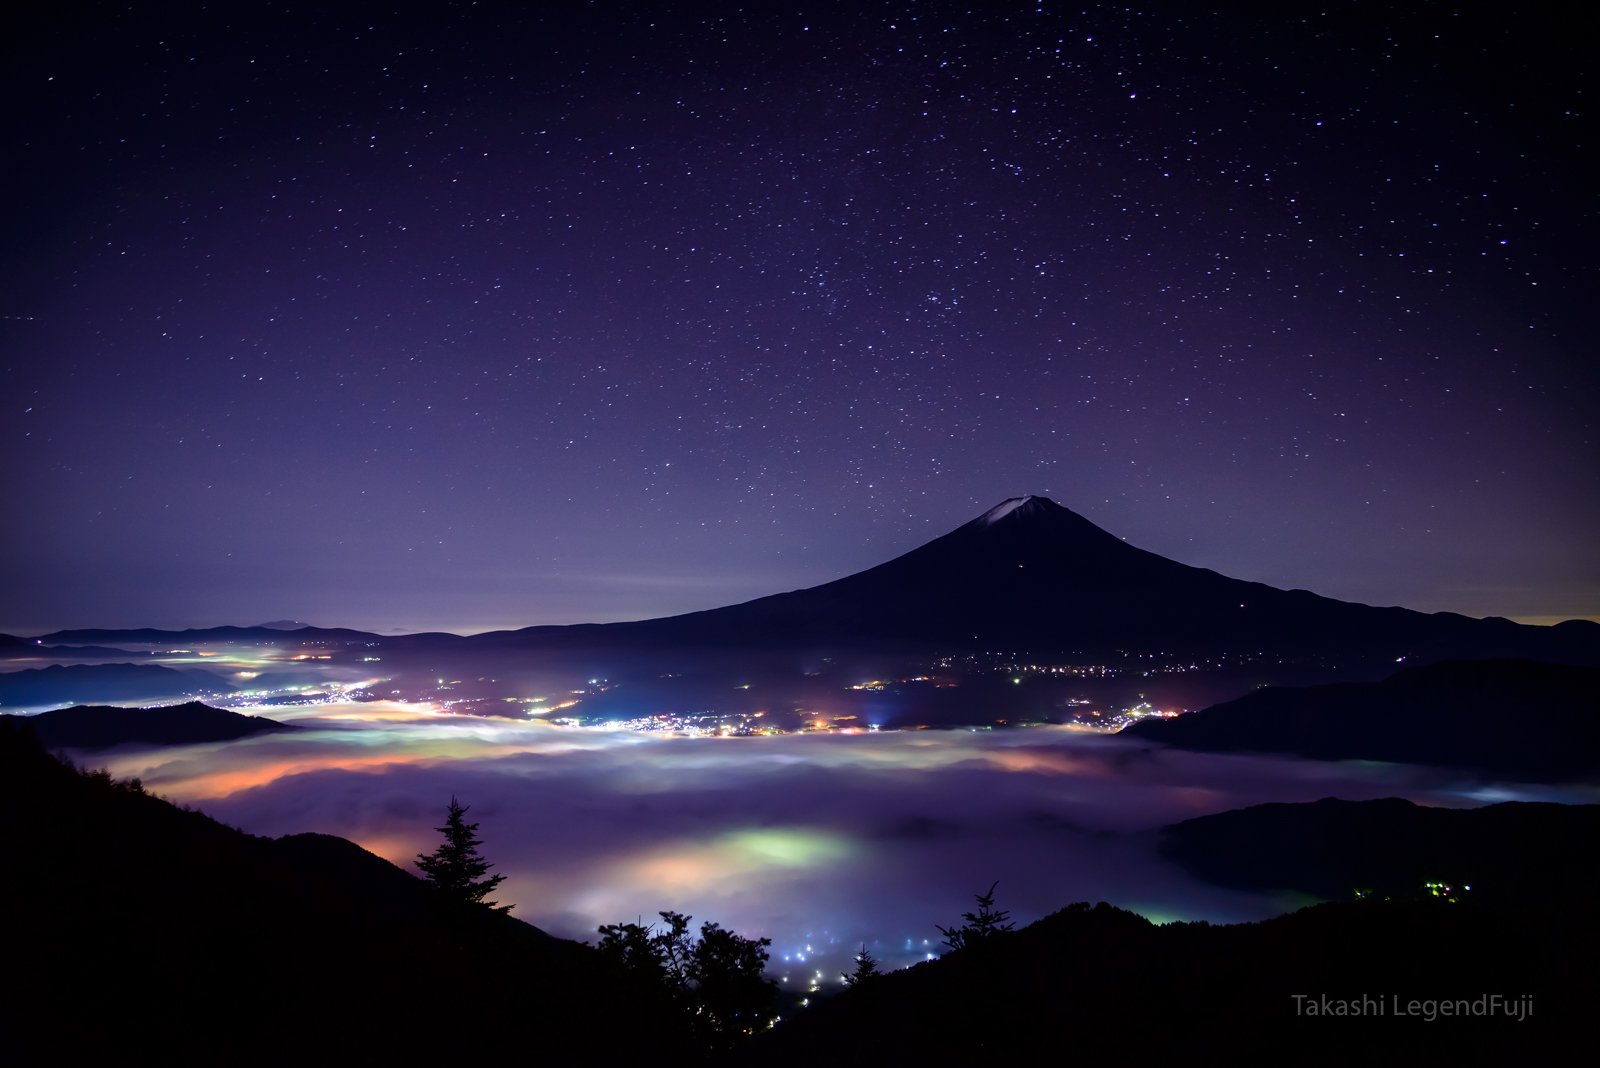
x: 1033, y: 576
x: 1028, y: 576
x: 105, y: 682
x: 1514, y: 719
x: 1104, y: 985
x: 1520, y: 854
x: 159, y: 927
x: 97, y: 726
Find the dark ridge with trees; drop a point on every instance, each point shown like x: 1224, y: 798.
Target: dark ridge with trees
x: 105, y: 682
x: 1105, y: 983
x: 716, y: 981
x: 1534, y: 855
x: 1517, y: 719
x: 979, y: 927
x: 100, y: 726
x: 159, y: 926
x: 157, y: 929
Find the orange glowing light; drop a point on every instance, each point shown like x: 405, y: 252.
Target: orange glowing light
x: 1044, y: 761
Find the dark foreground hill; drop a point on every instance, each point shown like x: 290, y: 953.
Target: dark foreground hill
x: 98, y: 726
x: 1513, y: 719
x: 1522, y: 854
x: 1106, y: 985
x: 1502, y: 973
x: 139, y: 929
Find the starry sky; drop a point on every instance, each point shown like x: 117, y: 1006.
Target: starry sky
x: 461, y: 316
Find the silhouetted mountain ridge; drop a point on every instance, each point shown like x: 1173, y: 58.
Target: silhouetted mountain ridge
x: 158, y: 925
x: 1514, y: 719
x: 105, y: 682
x: 1032, y: 575
x: 1028, y: 575
x: 1112, y: 986
x: 261, y: 634
x: 99, y: 726
x: 1523, y: 853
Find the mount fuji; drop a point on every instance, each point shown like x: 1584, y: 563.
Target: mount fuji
x: 1030, y: 575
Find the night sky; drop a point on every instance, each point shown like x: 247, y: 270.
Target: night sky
x: 474, y: 316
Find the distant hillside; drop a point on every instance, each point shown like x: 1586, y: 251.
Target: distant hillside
x: 105, y: 682
x: 98, y: 726
x: 15, y: 648
x: 261, y: 634
x: 157, y: 926
x: 1515, y: 719
x: 1536, y: 855
x: 34, y: 651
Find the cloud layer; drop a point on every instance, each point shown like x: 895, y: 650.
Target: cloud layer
x: 816, y: 840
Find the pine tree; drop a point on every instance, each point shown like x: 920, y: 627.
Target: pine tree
x: 456, y: 869
x: 981, y: 926
x: 866, y: 968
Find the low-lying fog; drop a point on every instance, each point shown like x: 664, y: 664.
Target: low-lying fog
x: 817, y: 840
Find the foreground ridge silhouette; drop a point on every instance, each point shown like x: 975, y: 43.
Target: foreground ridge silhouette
x: 154, y: 927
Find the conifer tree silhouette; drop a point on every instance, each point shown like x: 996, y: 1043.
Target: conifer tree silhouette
x: 456, y: 868
x: 981, y: 926
x: 866, y: 968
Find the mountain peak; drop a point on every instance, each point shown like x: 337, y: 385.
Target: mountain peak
x: 1023, y: 507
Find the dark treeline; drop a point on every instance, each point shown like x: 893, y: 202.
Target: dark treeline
x: 1107, y: 984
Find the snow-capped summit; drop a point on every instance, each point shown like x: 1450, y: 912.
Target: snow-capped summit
x: 1005, y: 508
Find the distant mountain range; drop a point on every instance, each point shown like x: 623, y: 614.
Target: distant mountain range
x: 264, y: 633
x: 1510, y: 719
x: 105, y: 682
x: 1026, y: 576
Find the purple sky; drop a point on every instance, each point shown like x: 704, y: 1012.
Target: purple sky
x: 484, y: 317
